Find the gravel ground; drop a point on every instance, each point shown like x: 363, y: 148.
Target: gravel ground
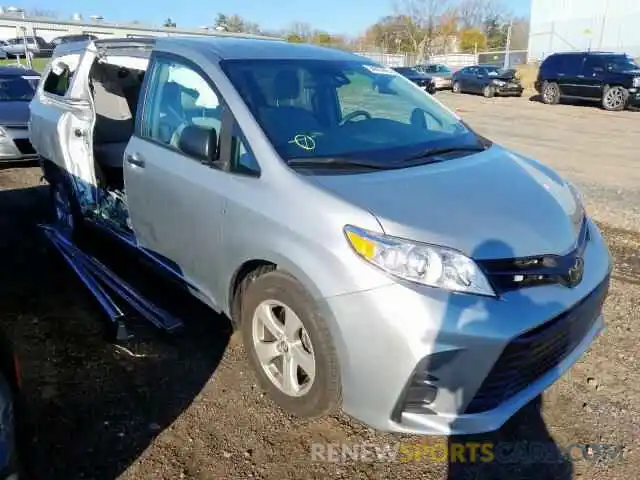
x: 189, y: 407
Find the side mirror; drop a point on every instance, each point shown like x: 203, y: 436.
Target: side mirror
x: 199, y: 142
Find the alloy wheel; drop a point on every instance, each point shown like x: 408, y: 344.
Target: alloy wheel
x: 614, y: 99
x: 549, y: 94
x: 283, y: 347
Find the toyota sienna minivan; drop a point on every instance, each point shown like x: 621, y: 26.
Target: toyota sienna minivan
x: 377, y: 253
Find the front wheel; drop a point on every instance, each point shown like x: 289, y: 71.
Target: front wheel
x: 488, y: 91
x: 614, y: 99
x: 455, y: 88
x: 289, y: 345
x: 550, y: 93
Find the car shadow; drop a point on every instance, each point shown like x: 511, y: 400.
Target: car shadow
x: 523, y: 446
x: 91, y: 407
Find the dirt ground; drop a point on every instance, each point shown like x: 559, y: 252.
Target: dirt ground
x: 189, y: 407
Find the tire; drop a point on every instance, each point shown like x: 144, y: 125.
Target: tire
x: 455, y: 88
x: 277, y: 295
x: 65, y: 209
x: 488, y: 91
x: 550, y: 93
x: 614, y: 99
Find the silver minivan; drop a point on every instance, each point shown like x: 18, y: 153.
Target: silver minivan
x: 377, y: 254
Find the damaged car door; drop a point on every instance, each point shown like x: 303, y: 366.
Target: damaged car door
x: 171, y: 171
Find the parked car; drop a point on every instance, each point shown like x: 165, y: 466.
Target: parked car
x: 489, y: 80
x: 376, y: 253
x: 83, y: 37
x: 420, y: 79
x: 612, y: 79
x: 37, y: 46
x: 17, y: 87
x: 440, y: 73
x: 3, y: 53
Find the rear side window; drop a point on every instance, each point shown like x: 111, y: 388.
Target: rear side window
x: 572, y: 64
x: 60, y: 75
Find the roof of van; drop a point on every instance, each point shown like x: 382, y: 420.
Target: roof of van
x: 235, y: 48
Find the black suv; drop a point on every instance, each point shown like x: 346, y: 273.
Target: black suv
x: 613, y: 79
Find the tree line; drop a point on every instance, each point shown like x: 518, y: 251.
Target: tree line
x: 419, y: 27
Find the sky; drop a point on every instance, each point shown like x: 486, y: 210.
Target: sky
x: 350, y: 17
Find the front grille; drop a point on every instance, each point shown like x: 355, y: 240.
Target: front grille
x: 515, y: 273
x: 24, y: 146
x: 532, y: 354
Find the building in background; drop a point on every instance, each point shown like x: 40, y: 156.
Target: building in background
x: 14, y: 23
x: 564, y: 25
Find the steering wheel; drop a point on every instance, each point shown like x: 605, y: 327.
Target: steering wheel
x: 358, y: 113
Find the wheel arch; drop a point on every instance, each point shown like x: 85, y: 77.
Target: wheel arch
x: 251, y: 269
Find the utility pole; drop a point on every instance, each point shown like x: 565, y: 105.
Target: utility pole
x: 506, y: 53
x: 604, y: 23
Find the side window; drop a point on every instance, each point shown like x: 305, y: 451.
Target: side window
x: 592, y: 62
x: 59, y: 77
x: 179, y: 97
x: 243, y: 160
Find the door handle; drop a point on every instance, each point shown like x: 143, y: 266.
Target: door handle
x: 135, y: 160
x: 580, y: 76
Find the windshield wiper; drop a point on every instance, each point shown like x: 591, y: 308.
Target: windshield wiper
x: 435, y: 152
x: 336, y: 162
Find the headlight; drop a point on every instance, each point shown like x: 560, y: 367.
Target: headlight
x: 577, y: 194
x: 430, y: 265
x: 636, y: 82
x: 499, y: 83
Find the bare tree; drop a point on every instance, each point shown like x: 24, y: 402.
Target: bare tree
x: 421, y: 19
x: 474, y: 13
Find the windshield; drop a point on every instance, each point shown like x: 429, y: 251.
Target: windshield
x: 621, y: 63
x: 348, y: 109
x: 17, y: 88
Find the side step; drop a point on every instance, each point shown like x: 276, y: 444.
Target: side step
x: 101, y: 281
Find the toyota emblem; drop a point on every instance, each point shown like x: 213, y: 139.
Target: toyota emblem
x: 575, y: 273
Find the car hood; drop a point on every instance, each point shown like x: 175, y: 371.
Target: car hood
x: 494, y: 204
x: 509, y: 75
x: 442, y: 75
x: 14, y: 113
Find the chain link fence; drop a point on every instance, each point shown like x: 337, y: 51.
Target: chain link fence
x: 453, y: 60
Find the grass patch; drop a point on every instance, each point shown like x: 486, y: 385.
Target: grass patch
x: 38, y: 63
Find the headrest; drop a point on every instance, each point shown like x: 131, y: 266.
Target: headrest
x: 286, y: 85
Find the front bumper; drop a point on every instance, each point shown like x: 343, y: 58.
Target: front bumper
x: 386, y: 333
x: 442, y: 83
x: 634, y: 97
x: 509, y: 90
